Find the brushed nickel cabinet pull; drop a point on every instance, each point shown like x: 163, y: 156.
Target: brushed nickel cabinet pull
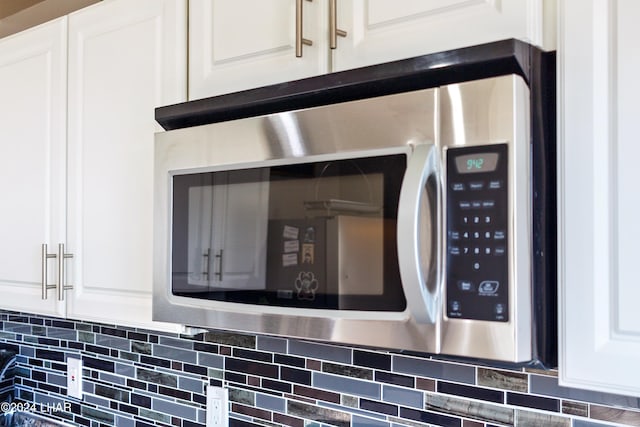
x: 61, y: 276
x: 334, y: 32
x: 45, y: 273
x: 207, y: 257
x: 300, y: 40
x: 220, y: 265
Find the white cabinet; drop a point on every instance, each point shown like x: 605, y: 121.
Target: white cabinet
x: 33, y: 84
x: 238, y: 44
x: 125, y: 59
x: 83, y: 159
x: 383, y: 30
x: 599, y: 200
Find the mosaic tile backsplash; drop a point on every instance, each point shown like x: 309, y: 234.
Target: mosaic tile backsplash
x: 141, y: 378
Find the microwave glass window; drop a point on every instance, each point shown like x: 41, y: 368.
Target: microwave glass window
x: 310, y: 235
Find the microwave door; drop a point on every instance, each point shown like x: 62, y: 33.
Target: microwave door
x: 418, y: 225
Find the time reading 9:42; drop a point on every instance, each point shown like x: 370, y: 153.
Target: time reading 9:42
x: 473, y: 163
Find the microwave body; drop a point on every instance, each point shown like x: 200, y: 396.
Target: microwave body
x: 402, y: 221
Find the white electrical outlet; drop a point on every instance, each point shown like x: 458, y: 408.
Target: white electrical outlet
x: 74, y: 377
x: 217, y: 406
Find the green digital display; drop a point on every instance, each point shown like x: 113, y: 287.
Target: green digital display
x: 475, y: 163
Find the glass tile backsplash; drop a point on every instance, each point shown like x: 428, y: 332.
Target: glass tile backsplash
x: 140, y: 378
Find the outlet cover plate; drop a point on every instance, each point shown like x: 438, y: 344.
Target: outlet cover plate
x: 74, y: 377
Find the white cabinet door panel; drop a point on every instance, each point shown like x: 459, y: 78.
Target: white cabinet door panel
x: 122, y: 58
x: 599, y: 230
x: 239, y: 44
x: 382, y: 30
x: 32, y: 163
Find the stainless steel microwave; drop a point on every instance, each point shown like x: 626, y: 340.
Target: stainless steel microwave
x: 402, y: 221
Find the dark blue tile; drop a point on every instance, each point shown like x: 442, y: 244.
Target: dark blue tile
x: 102, y: 365
x: 433, y: 369
x: 372, y: 360
x: 277, y: 385
x: 282, y: 359
x: 472, y: 392
x: 50, y: 355
x: 537, y: 402
x: 397, y: 379
x: 253, y: 368
x: 253, y: 355
x: 430, y: 418
x: 382, y: 408
x: 298, y: 376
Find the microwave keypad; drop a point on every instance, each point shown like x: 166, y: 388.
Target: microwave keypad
x: 477, y: 234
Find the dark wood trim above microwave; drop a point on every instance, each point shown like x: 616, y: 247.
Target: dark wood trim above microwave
x: 422, y: 72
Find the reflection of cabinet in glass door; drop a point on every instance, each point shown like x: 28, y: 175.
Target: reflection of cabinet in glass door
x: 227, y: 230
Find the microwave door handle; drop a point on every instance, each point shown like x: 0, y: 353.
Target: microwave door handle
x: 419, y: 281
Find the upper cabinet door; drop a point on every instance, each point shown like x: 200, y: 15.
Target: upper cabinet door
x: 32, y: 163
x: 599, y: 58
x: 125, y: 59
x: 238, y: 44
x: 381, y: 30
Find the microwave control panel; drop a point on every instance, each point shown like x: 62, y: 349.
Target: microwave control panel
x: 477, y: 276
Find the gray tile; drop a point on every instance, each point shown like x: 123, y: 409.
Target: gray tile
x: 548, y: 386
x: 60, y: 380
x: 190, y: 384
x: 320, y: 351
x: 537, y: 419
x: 27, y: 351
x: 271, y: 403
x: 175, y: 409
x: 112, y: 342
x: 575, y: 408
x: 346, y: 385
x: 403, y: 396
x: 615, y: 415
x: 176, y: 342
x: 358, y: 421
x: 583, y: 423
x: 230, y: 339
x: 276, y: 345
x: 348, y: 371
x: 172, y: 353
x: 156, y: 377
x: 126, y: 370
x: 245, y: 397
x: 490, y: 413
x: 507, y: 380
x: 86, y: 337
x: 140, y: 347
x: 62, y: 333
x: 95, y: 414
x: 98, y: 401
x: 433, y: 369
x: 154, y: 415
x: 211, y: 360
x: 125, y: 422
x: 113, y: 379
x: 313, y: 412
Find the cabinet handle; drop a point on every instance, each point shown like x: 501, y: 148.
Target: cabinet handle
x: 45, y: 272
x: 207, y: 256
x: 334, y: 32
x: 300, y: 40
x: 220, y: 264
x: 61, y: 276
